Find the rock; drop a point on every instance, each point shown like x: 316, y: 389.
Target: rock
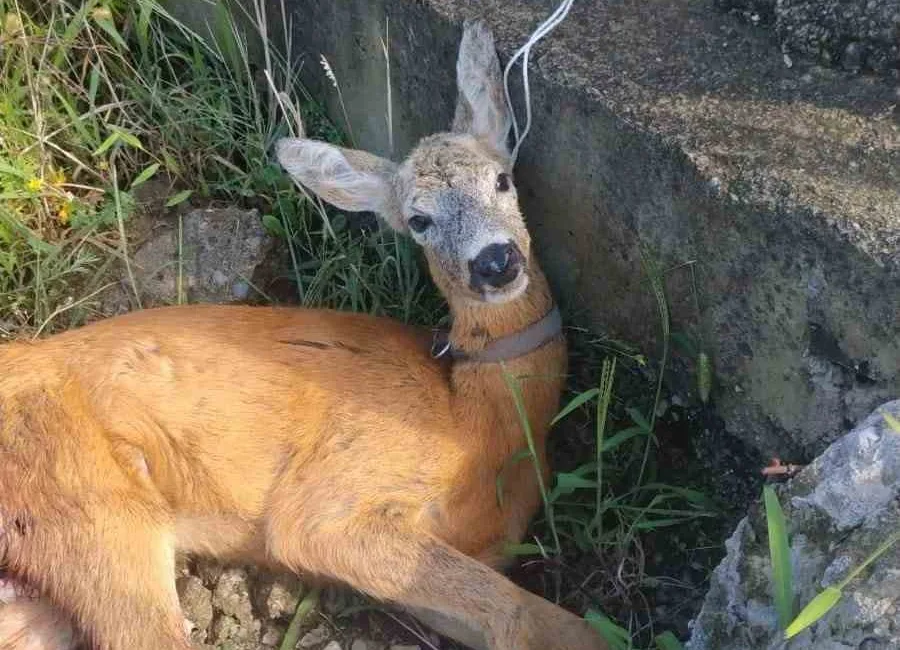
x: 332, y: 645
x: 271, y: 635
x: 368, y: 644
x: 276, y: 597
x: 230, y: 634
x: 196, y: 604
x: 221, y: 251
x: 405, y: 647
x: 314, y: 637
x: 839, y: 510
x: 232, y: 595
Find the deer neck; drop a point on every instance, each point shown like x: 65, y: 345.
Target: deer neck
x: 481, y: 392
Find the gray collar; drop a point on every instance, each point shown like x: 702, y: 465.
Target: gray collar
x: 509, y: 347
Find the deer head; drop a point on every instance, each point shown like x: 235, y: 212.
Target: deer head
x: 453, y: 194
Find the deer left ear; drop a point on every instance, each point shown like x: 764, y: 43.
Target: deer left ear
x: 481, y: 106
x: 349, y: 179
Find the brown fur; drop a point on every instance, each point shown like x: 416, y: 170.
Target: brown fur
x: 321, y: 442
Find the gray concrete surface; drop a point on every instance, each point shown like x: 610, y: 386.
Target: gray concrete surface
x: 855, y: 35
x: 672, y: 126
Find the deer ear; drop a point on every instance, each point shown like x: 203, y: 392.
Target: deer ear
x: 349, y: 179
x: 481, y: 106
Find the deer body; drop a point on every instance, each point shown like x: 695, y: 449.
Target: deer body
x: 321, y: 442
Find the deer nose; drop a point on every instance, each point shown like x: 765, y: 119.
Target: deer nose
x: 496, y: 265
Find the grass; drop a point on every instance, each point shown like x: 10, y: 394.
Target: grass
x: 100, y: 97
x: 589, y: 540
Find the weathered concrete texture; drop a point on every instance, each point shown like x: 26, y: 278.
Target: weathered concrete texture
x: 838, y: 510
x: 857, y: 35
x: 668, y: 124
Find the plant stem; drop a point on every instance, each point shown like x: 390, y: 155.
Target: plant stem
x: 304, y: 608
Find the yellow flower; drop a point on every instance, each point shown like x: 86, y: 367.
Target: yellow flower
x: 64, y: 214
x: 34, y: 184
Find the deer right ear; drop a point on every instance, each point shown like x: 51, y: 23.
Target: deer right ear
x: 481, y: 107
x: 349, y: 179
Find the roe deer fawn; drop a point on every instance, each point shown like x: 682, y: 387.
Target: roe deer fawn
x: 325, y: 443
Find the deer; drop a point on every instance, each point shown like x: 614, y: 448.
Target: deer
x: 341, y: 446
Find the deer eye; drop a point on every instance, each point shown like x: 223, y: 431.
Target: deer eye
x: 502, y: 182
x: 419, y: 223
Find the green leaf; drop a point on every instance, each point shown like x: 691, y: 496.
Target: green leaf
x: 109, y: 27
x: 577, y: 401
x: 653, y: 524
x: 107, y: 144
x: 622, y: 436
x: 638, y: 418
x: 143, y: 26
x: 567, y: 483
x: 518, y: 550
x: 616, y: 636
x: 780, y: 553
x: 93, y: 85
x: 668, y: 641
x: 273, y: 225
x: 704, y: 376
x: 145, y: 175
x: 129, y: 138
x: 74, y: 25
x: 179, y: 198
x: 893, y: 422
x: 815, y: 610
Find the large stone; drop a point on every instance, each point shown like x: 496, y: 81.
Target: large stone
x: 672, y: 127
x: 838, y: 510
x: 218, y: 254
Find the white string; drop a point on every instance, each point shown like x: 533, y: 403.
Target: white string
x: 523, y: 52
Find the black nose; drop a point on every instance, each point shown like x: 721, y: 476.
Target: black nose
x: 496, y: 265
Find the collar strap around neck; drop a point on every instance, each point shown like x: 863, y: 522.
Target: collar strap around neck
x: 503, y: 349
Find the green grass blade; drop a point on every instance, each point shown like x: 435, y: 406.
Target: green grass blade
x: 607, y: 378
x: 145, y: 175
x: 668, y: 641
x: 621, y: 437
x: 893, y: 422
x: 515, y: 389
x: 519, y: 550
x: 615, y: 635
x: 179, y: 198
x: 304, y: 608
x: 107, y: 144
x: 815, y: 610
x: 576, y: 401
x: 704, y: 376
x: 780, y: 553
x: 108, y: 26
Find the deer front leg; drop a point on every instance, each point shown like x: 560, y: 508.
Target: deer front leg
x: 389, y: 559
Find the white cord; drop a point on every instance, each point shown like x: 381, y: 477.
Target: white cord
x: 523, y: 52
